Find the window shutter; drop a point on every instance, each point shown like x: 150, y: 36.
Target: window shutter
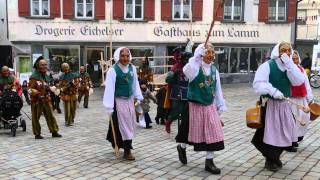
x: 118, y: 8
x: 100, y: 9
x: 263, y: 11
x: 291, y: 10
x: 68, y: 9
x: 55, y: 8
x: 219, y: 9
x: 24, y: 8
x: 149, y: 10
x: 197, y: 6
x: 166, y: 10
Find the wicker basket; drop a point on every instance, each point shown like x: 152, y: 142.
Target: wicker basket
x: 253, y: 117
x: 314, y: 111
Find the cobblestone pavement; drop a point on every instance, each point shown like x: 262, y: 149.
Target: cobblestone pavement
x: 83, y: 152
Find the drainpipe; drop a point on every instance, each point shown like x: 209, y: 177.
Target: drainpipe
x: 296, y: 25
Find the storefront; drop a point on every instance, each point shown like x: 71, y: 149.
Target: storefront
x: 240, y: 48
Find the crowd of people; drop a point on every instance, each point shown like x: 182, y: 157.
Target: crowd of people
x: 43, y: 93
x: 192, y: 96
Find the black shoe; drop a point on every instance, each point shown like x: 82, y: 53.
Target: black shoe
x: 148, y: 127
x: 271, y: 166
x: 157, y: 121
x: 278, y: 163
x: 210, y: 167
x: 85, y: 107
x: 295, y: 144
x: 59, y: 111
x: 291, y: 149
x: 56, y: 135
x: 38, y: 137
x: 182, y: 154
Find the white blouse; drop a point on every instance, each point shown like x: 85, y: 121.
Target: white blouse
x: 191, y: 70
x: 261, y: 83
x: 110, y: 83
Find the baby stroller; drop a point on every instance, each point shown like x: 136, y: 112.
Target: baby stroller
x: 10, y: 106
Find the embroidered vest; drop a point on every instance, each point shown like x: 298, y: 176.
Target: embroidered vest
x: 124, y: 82
x: 202, y: 88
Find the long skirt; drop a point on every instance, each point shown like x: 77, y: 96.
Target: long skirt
x: 280, y: 126
x: 205, y: 129
x: 270, y: 151
x: 124, y: 121
x: 298, y: 113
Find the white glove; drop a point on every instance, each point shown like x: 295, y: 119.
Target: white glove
x: 287, y: 61
x: 310, y: 99
x: 90, y: 91
x: 52, y: 88
x: 285, y: 58
x: 57, y: 92
x: 278, y: 95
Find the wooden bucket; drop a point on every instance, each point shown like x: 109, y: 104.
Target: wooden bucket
x: 314, y: 111
x: 253, y: 117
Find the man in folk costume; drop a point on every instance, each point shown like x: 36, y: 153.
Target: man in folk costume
x: 300, y: 95
x: 273, y: 81
x: 206, y: 103
x: 41, y: 100
x: 122, y: 89
x: 69, y: 84
x: 7, y: 81
x: 179, y: 87
x: 85, y: 86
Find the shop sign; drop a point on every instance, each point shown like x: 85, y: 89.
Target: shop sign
x: 140, y: 32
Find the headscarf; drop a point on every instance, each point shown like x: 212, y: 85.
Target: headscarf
x: 275, y: 52
x: 116, y: 55
x: 295, y: 51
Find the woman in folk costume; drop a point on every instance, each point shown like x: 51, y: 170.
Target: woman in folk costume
x: 301, y: 95
x: 206, y: 103
x: 122, y: 89
x: 273, y: 80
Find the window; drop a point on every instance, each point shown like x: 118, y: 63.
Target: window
x: 62, y: 54
x: 84, y: 9
x: 221, y: 60
x: 40, y: 7
x: 302, y: 15
x: 181, y: 9
x: 134, y: 9
x: 233, y: 10
x: 277, y: 10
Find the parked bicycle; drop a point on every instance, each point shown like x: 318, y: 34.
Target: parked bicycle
x: 314, y: 79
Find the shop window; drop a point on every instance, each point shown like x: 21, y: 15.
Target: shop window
x: 221, y: 59
x: 277, y: 10
x: 181, y: 9
x: 233, y: 10
x: 257, y: 57
x: 133, y: 9
x: 84, y: 9
x: 24, y: 64
x: 40, y: 7
x: 301, y: 16
x: 62, y: 54
x: 239, y: 60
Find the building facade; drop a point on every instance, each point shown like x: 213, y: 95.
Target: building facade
x: 308, y: 28
x: 82, y: 31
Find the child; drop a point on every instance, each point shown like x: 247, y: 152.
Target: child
x: 161, y: 112
x: 25, y: 91
x: 145, y: 102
